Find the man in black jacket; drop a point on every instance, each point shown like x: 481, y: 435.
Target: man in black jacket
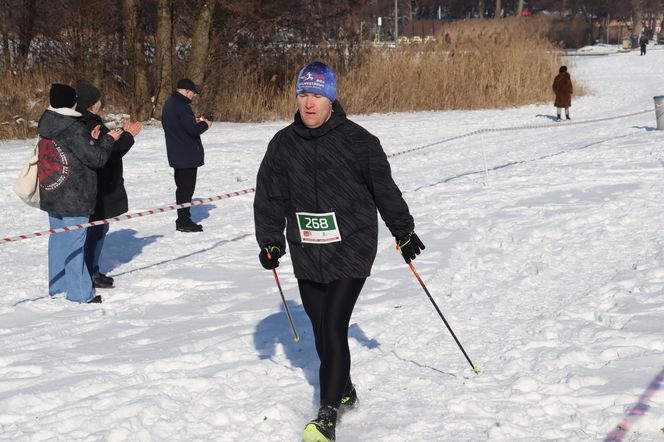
x: 184, y: 147
x: 322, y: 180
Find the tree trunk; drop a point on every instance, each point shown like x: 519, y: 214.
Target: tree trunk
x: 4, y: 31
x: 26, y: 31
x: 637, y: 17
x: 200, y: 41
x: 519, y: 8
x: 140, y: 106
x: 163, y: 69
x: 499, y: 6
x: 481, y: 8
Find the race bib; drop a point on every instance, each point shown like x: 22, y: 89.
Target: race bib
x: 318, y: 228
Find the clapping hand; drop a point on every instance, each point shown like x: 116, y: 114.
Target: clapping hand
x: 94, y: 133
x: 132, y: 127
x: 115, y: 133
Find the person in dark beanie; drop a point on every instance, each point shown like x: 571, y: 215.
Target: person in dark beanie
x: 111, y: 194
x: 562, y: 87
x: 321, y: 180
x: 69, y: 153
x: 184, y: 147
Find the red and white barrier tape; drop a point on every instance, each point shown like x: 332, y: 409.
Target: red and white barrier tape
x: 128, y: 216
x: 252, y: 190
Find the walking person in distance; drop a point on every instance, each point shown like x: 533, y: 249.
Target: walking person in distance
x: 322, y: 180
x: 184, y: 147
x: 643, y: 41
x: 562, y: 87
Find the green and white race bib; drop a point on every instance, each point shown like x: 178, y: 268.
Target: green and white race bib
x: 318, y: 228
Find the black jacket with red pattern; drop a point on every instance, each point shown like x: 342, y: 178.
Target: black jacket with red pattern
x: 339, y: 167
x: 68, y: 157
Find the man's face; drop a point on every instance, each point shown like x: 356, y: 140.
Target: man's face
x: 187, y: 93
x: 314, y: 109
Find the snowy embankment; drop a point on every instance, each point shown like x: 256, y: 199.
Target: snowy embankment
x: 550, y: 270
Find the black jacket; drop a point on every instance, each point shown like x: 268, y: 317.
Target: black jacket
x: 339, y: 167
x: 183, y: 133
x: 68, y: 157
x: 111, y: 194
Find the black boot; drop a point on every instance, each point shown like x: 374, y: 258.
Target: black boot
x: 188, y: 226
x: 322, y: 429
x: 102, y: 282
x: 350, y: 399
x: 568, y: 117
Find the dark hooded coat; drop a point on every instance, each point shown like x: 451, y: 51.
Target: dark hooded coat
x: 111, y: 194
x: 339, y: 167
x: 562, y: 87
x: 68, y: 157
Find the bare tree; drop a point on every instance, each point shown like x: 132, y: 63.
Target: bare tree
x: 26, y: 28
x: 200, y: 40
x: 4, y: 32
x: 139, y: 104
x: 163, y: 69
x: 637, y: 17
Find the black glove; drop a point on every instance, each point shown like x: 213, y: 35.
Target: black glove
x: 410, y: 246
x: 273, y: 261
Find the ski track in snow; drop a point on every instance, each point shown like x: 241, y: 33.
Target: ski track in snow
x: 551, y: 273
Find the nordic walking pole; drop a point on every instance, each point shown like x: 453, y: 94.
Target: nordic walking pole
x: 417, y: 275
x: 296, y: 337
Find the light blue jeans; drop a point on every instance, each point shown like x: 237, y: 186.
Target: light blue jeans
x: 67, y: 271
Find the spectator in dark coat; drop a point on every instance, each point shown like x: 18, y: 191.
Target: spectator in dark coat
x: 111, y: 193
x: 322, y: 180
x: 184, y: 147
x: 68, y: 157
x: 643, y: 41
x: 562, y: 87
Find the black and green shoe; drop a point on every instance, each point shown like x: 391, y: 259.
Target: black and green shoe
x: 349, y: 399
x: 322, y: 428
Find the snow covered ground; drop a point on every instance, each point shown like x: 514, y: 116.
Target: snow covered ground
x: 551, y: 273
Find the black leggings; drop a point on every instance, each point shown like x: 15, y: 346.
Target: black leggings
x: 329, y: 307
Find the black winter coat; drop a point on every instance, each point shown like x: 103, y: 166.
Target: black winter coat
x: 68, y: 157
x: 111, y: 194
x: 339, y: 167
x: 183, y: 133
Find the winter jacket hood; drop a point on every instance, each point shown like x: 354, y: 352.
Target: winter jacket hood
x: 56, y: 120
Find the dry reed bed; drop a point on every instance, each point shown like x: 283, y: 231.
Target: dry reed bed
x: 489, y: 64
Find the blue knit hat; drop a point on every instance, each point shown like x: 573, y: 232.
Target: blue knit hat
x: 317, y: 78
